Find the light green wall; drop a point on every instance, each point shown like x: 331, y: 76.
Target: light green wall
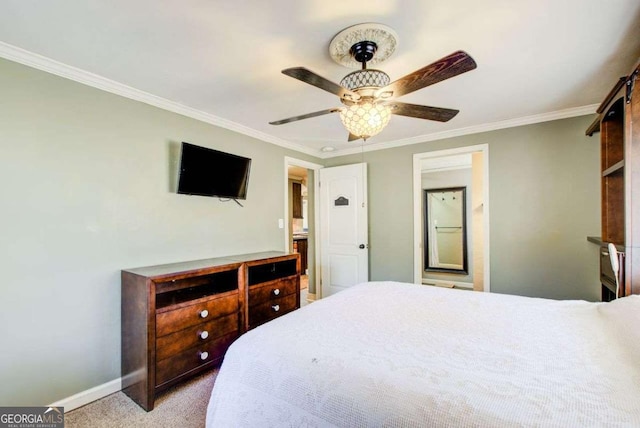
x: 86, y: 189
x: 544, y: 200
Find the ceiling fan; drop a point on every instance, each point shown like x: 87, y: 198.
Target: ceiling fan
x: 367, y: 94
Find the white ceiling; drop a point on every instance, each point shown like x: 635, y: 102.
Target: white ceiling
x: 220, y: 61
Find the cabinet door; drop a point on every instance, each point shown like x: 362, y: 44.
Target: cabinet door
x: 296, y: 191
x: 302, y: 249
x: 632, y: 185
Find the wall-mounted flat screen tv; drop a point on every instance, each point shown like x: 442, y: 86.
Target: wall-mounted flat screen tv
x: 209, y: 172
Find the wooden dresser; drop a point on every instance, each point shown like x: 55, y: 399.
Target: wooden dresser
x: 179, y: 319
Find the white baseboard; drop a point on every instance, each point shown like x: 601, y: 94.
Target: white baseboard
x: 90, y: 395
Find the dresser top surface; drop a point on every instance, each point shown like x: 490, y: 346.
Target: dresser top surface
x: 194, y: 265
x: 258, y: 256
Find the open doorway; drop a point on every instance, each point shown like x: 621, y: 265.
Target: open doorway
x: 468, y: 167
x: 301, y: 212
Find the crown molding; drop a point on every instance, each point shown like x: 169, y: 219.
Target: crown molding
x: 503, y: 124
x: 49, y: 65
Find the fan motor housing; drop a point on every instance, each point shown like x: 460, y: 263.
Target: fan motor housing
x: 364, y: 51
x: 365, y: 78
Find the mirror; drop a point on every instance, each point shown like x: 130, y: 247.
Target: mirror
x: 445, y: 230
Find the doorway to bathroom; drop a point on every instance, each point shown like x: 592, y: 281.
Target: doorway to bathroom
x: 300, y: 226
x: 461, y: 168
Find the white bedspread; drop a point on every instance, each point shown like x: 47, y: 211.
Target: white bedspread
x: 402, y: 355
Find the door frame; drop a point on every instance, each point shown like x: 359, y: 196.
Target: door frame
x: 418, y: 212
x: 316, y: 211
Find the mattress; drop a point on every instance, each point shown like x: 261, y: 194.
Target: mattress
x: 388, y: 354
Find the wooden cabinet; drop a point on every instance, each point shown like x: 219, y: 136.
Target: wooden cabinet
x: 612, y: 168
x: 296, y: 195
x: 179, y: 319
x: 619, y: 125
x: 300, y: 246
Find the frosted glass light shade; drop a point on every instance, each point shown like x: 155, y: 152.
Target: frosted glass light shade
x: 365, y: 120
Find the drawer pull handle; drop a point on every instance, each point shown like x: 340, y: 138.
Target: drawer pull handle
x: 275, y: 308
x: 204, y: 313
x: 276, y: 292
x: 204, y: 334
x: 204, y: 355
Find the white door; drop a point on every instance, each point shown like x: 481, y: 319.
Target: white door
x: 344, y: 227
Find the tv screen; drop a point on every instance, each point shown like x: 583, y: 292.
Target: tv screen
x: 208, y: 172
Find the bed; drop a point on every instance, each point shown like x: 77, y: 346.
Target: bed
x: 389, y: 354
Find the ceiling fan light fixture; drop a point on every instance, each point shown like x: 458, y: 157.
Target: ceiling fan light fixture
x: 365, y: 119
x: 366, y: 94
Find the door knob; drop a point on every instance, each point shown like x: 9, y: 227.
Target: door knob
x: 361, y: 246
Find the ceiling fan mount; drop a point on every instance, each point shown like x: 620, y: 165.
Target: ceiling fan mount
x: 376, y: 41
x: 366, y: 81
x: 367, y: 93
x: 363, y: 51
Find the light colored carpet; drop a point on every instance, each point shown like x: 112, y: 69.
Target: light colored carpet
x: 184, y: 405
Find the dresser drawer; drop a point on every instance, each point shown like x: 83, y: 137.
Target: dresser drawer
x: 187, y: 316
x: 192, y: 358
x: 174, y: 343
x: 264, y: 312
x: 272, y: 291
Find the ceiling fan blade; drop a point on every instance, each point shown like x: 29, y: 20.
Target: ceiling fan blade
x: 353, y: 137
x: 452, y: 65
x: 305, y: 116
x: 318, y: 81
x: 423, y: 112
